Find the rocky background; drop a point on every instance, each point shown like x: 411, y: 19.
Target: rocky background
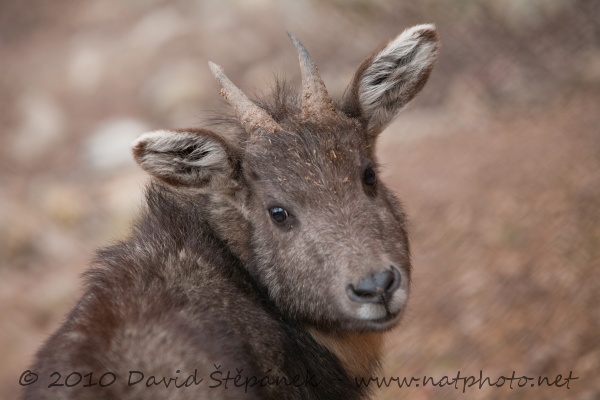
x: 497, y: 162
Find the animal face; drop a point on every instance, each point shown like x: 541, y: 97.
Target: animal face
x: 296, y: 193
x: 323, y: 223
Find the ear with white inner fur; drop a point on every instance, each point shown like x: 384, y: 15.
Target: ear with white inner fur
x: 391, y: 77
x: 191, y: 158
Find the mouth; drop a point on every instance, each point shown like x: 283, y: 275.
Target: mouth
x: 378, y: 316
x: 386, y: 321
x: 377, y: 300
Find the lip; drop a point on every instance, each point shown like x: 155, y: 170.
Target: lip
x: 388, y: 317
x: 389, y: 321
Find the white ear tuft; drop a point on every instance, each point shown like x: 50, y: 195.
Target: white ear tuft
x: 392, y: 76
x: 193, y: 158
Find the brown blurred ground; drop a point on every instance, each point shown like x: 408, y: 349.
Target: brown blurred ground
x: 497, y: 162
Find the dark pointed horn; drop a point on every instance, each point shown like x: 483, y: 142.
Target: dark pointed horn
x: 315, y: 99
x: 251, y: 116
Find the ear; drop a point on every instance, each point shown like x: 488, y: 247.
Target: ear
x: 391, y: 77
x: 191, y: 158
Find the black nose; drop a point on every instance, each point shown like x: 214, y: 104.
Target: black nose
x: 375, y: 288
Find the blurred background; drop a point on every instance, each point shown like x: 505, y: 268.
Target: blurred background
x: 497, y: 163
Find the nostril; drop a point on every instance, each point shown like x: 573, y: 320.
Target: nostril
x: 375, y: 287
x: 384, y: 280
x: 366, y: 287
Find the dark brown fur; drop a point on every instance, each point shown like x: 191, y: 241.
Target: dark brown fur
x: 208, y: 283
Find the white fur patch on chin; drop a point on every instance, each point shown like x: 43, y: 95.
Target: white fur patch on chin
x: 371, y: 311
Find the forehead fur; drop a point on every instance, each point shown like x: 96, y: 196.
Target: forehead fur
x: 314, y: 153
x: 317, y: 139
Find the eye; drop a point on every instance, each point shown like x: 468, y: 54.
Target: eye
x: 369, y: 177
x: 279, y: 215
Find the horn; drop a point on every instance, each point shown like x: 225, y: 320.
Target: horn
x: 315, y: 99
x: 251, y: 116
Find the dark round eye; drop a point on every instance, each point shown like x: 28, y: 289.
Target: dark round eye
x: 279, y: 215
x: 369, y: 177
